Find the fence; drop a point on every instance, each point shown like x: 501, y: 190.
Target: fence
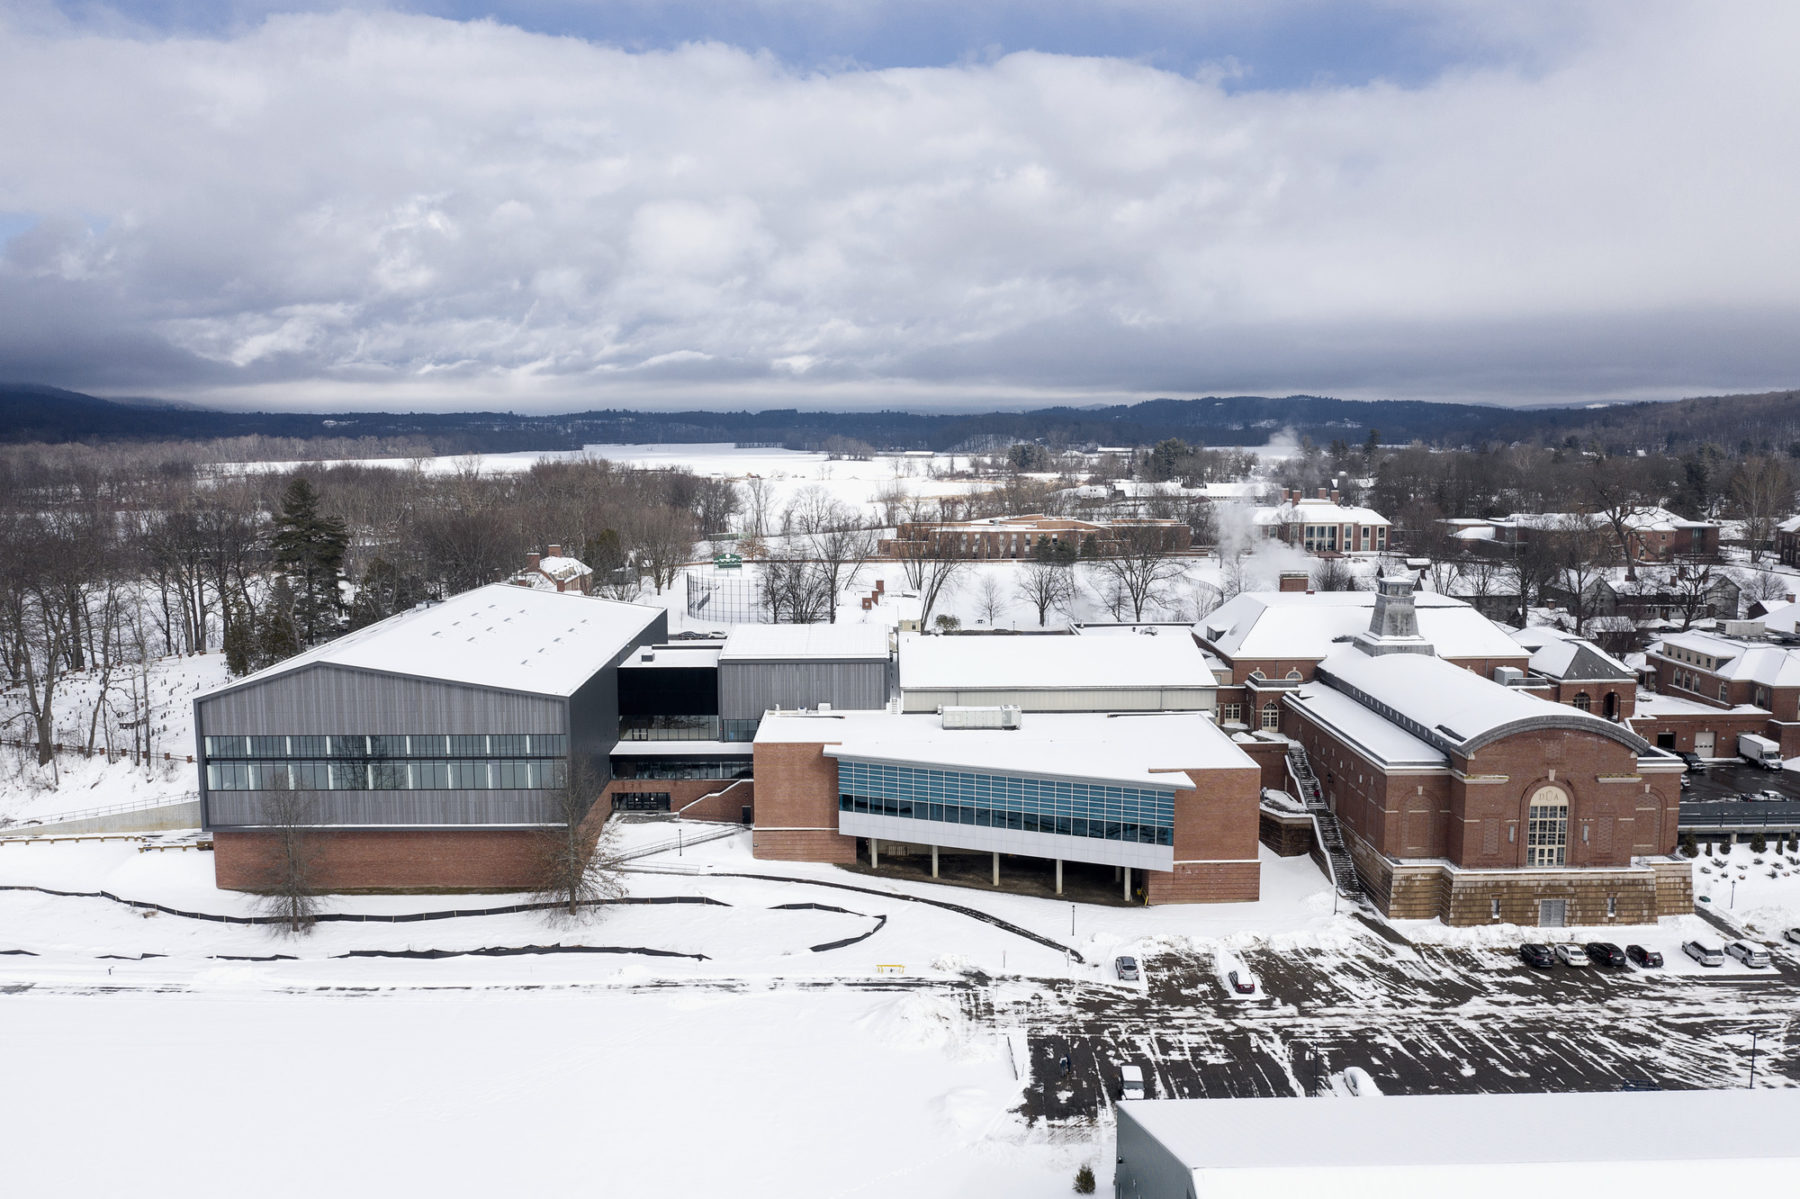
x: 119, y: 755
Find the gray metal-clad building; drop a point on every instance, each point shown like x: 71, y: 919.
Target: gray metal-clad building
x: 1165, y: 672
x: 764, y: 667
x: 466, y: 713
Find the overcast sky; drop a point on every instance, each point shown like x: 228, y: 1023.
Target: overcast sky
x: 552, y: 204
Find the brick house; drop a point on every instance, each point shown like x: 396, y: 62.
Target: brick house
x: 554, y: 571
x: 1320, y: 524
x: 1019, y: 536
x: 1652, y: 534
x: 1787, y: 541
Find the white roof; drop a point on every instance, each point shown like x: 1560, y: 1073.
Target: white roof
x: 1645, y: 519
x: 1472, y: 1130
x: 1136, y: 749
x: 1292, y: 624
x: 1028, y: 662
x: 1782, y: 619
x: 503, y: 636
x: 1316, y: 511
x: 817, y: 642
x: 1444, y: 703
x: 1381, y: 739
x: 1770, y: 665
x: 1554, y: 653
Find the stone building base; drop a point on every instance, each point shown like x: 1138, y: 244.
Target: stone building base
x: 1287, y: 834
x: 1636, y: 894
x: 1205, y: 882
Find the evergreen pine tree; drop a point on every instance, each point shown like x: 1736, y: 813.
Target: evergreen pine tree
x: 239, y: 641
x: 385, y: 590
x: 276, y: 637
x: 309, y: 553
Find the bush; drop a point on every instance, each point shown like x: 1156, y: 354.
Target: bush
x: 1689, y: 847
x: 1759, y: 843
x: 947, y: 622
x: 1084, y: 1180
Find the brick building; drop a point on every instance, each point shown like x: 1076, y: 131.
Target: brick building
x: 1165, y: 800
x: 1020, y: 536
x: 1710, y: 687
x: 1474, y: 801
x: 1787, y: 541
x: 1651, y: 534
x: 555, y: 571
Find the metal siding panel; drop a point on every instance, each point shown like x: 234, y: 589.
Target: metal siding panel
x: 327, y: 699
x: 748, y: 689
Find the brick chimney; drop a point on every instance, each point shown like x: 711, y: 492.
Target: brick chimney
x: 1335, y: 494
x: 1324, y: 492
x: 531, y: 561
x: 556, y: 551
x: 1294, y: 580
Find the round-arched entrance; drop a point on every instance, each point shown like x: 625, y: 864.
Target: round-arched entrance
x: 1547, y: 827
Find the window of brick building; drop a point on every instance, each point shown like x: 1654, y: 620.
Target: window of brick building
x: 1582, y: 702
x: 1271, y: 715
x: 1547, y: 828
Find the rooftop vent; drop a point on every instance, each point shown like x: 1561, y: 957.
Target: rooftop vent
x: 1002, y: 717
x: 1508, y: 676
x: 1743, y: 630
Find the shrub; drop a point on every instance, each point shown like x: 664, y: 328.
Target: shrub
x: 1759, y: 843
x: 1689, y: 847
x: 947, y: 622
x: 1084, y: 1180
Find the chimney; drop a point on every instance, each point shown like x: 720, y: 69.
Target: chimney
x: 531, y: 561
x: 1294, y: 580
x: 556, y: 551
x: 1335, y: 494
x: 1324, y: 492
x: 881, y: 586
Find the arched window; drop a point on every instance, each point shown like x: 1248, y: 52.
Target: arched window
x: 1582, y: 702
x: 1293, y: 674
x: 1271, y: 717
x: 1547, y: 828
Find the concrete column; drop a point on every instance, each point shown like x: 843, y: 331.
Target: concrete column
x: 874, y: 853
x: 996, y: 868
x: 934, y: 850
x: 1059, y: 876
x: 1127, y: 884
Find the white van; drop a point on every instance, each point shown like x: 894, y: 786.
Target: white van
x: 1131, y: 1082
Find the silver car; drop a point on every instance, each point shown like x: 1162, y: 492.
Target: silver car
x: 1127, y: 969
x: 1753, y: 956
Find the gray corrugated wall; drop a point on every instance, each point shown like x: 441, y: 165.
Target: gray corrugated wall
x: 748, y: 689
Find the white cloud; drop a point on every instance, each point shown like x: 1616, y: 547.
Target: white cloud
x: 383, y: 209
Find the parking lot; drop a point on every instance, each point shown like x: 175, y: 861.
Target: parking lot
x: 1730, y: 781
x: 1420, y: 1019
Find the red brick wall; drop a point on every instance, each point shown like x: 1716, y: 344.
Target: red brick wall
x: 796, y: 808
x: 1565, y: 693
x: 690, y: 797
x: 1218, y: 818
x: 391, y: 859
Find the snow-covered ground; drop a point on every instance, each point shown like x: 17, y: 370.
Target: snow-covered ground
x: 1759, y: 891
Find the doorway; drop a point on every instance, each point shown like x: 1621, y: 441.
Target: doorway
x: 1553, y: 913
x: 1703, y: 744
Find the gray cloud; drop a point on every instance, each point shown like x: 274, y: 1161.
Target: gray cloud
x: 386, y: 210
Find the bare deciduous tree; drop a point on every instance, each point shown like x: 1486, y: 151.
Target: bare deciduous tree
x: 1762, y: 489
x: 1140, y: 567
x: 990, y: 599
x: 289, y: 876
x: 1046, y: 583
x: 577, y: 861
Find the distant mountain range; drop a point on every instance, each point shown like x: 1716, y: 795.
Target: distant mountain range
x: 32, y: 413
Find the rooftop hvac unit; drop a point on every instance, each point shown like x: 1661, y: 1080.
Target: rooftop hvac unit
x: 1005, y: 717
x: 1508, y: 676
x: 1746, y: 630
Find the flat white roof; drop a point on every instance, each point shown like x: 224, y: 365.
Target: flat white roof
x: 1757, y: 662
x: 1128, y: 749
x: 817, y: 642
x: 1383, y: 740
x: 681, y: 655
x: 502, y: 636
x: 1473, y: 1130
x: 1002, y: 662
x: 1292, y: 624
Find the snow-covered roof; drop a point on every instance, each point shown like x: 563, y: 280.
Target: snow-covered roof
x: 1784, y: 618
x: 1739, y: 661
x: 1292, y: 624
x: 1790, y: 525
x: 1448, y: 706
x: 679, y: 655
x: 1643, y: 519
x: 502, y: 636
x: 1316, y: 511
x: 1135, y: 749
x: 1471, y: 1130
x: 1562, y: 655
x: 1029, y: 662
x: 814, y: 642
x: 1381, y: 739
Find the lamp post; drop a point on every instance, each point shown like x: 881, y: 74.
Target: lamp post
x: 1753, y: 1059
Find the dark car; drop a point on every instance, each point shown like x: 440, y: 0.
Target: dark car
x: 1537, y: 955
x: 1693, y: 761
x: 1242, y: 986
x: 1647, y: 958
x: 1605, y: 953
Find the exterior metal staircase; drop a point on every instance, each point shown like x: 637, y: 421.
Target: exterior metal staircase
x: 1325, y: 824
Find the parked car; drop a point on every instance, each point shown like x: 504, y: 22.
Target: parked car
x: 1605, y: 953
x: 1705, y: 954
x: 1537, y: 955
x: 1242, y: 983
x: 1234, y: 975
x: 1131, y: 1082
x: 1753, y: 956
x: 1649, y: 959
x: 1358, y: 1083
x: 1571, y: 954
x: 1127, y: 969
x: 1793, y: 934
x: 1693, y: 761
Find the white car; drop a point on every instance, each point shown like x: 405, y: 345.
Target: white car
x: 1131, y: 1082
x: 1706, y: 955
x: 1793, y: 935
x: 1570, y: 954
x: 1753, y: 956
